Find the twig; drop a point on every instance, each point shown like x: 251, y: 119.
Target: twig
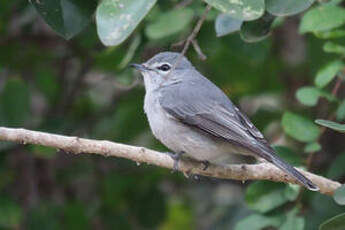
x: 197, y: 48
x: 192, y: 37
x: 242, y: 172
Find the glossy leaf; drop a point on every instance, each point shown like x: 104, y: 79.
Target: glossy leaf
x: 299, y: 127
x: 327, y: 73
x: 335, y: 223
x: 340, y: 113
x: 287, y: 7
x: 169, y: 23
x: 312, y: 147
x: 332, y: 125
x: 257, y: 30
x: 264, y: 196
x: 225, y: 24
x: 116, y: 20
x: 245, y: 10
x: 310, y: 95
x: 258, y: 222
x: 322, y: 18
x: 66, y: 17
x: 331, y: 47
x: 339, y: 195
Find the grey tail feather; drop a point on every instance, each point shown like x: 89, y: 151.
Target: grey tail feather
x: 271, y: 157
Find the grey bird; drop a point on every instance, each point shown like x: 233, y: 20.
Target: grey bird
x: 191, y: 115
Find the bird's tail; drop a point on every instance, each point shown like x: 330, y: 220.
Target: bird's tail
x: 274, y: 159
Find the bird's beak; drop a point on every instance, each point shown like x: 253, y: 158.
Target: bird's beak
x: 139, y: 67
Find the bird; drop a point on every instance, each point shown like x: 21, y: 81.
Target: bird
x: 192, y: 116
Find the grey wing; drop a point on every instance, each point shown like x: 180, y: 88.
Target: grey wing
x: 204, y: 106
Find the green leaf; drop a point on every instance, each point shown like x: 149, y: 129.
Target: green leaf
x: 326, y: 74
x: 334, y: 223
x: 299, y: 127
x: 288, y: 155
x: 340, y: 113
x: 312, y: 147
x: 264, y: 196
x: 257, y: 30
x: 339, y: 195
x: 332, y: 125
x: 287, y: 7
x: 322, y: 18
x: 225, y: 24
x: 336, y: 169
x: 15, y: 103
x: 310, y: 95
x: 116, y: 20
x: 338, y: 33
x: 293, y: 221
x: 66, y: 17
x: 244, y: 10
x: 331, y: 47
x: 170, y: 23
x: 258, y: 222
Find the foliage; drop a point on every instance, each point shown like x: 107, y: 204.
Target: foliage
x: 282, y: 62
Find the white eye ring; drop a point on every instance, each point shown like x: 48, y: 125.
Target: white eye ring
x: 165, y: 67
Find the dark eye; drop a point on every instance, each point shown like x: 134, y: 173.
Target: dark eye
x: 164, y: 67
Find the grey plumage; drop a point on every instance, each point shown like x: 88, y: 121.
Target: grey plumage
x: 188, y: 113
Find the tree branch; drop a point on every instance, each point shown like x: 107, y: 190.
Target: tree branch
x: 242, y: 172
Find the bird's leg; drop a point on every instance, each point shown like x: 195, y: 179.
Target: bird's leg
x: 206, y: 164
x: 176, y: 157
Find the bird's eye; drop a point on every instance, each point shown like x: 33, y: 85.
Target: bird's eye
x: 164, y: 67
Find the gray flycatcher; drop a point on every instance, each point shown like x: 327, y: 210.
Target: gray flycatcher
x: 191, y: 115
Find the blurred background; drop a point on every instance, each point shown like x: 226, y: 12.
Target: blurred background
x: 80, y: 87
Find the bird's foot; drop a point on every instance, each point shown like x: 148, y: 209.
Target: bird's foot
x: 176, y: 157
x: 206, y: 164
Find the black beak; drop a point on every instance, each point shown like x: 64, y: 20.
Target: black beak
x: 139, y: 67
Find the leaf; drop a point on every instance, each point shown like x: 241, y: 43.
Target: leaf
x: 170, y: 23
x: 312, y: 147
x: 264, y: 196
x: 293, y: 221
x: 288, y: 155
x: 338, y: 33
x: 332, y: 125
x: 15, y: 103
x: 287, y: 7
x: 258, y: 222
x: 336, y: 169
x: 326, y: 74
x: 299, y: 127
x: 116, y: 20
x: 310, y: 95
x: 331, y: 47
x: 66, y: 17
x: 257, y: 30
x: 334, y: 223
x: 339, y: 195
x: 322, y: 18
x: 225, y: 24
x: 340, y: 113
x: 245, y: 10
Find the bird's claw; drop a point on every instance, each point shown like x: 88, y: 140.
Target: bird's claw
x: 206, y: 164
x: 176, y: 157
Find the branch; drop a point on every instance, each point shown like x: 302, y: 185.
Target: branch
x: 242, y: 172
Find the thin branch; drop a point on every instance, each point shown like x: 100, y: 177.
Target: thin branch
x: 192, y: 37
x: 242, y: 172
